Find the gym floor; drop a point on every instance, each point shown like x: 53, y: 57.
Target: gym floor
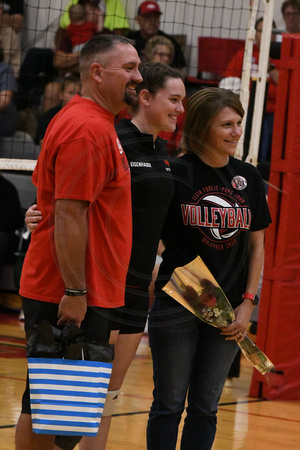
x: 243, y: 423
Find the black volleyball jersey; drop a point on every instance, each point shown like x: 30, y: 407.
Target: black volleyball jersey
x: 152, y: 189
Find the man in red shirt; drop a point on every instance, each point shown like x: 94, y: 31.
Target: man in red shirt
x: 75, y: 268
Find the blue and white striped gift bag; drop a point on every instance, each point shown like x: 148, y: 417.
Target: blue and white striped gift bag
x: 66, y: 396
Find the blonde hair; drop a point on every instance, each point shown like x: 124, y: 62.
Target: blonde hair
x: 152, y: 44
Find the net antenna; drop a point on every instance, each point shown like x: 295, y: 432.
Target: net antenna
x: 261, y: 76
x: 246, y: 73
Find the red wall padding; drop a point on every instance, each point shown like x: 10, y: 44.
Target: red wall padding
x: 278, y: 333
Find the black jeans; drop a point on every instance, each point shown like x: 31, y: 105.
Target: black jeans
x: 37, y: 61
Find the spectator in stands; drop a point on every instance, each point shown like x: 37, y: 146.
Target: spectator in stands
x: 52, y: 63
x: 93, y: 13
x: 10, y: 221
x: 36, y: 70
x: 9, y: 41
x: 160, y: 49
x: 13, y: 14
x: 148, y: 19
x: 290, y: 10
x: 80, y: 30
x: 112, y: 17
x: 234, y: 69
x: 66, y: 60
x: 69, y: 87
x: 8, y: 111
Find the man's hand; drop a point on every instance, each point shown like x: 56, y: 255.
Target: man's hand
x: 71, y: 310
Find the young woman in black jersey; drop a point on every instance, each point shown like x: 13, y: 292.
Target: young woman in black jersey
x: 160, y: 98
x: 219, y: 211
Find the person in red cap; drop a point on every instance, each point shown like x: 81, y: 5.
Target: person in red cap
x: 149, y: 7
x: 148, y: 19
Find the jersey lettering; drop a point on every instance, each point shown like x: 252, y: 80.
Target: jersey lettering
x: 220, y: 217
x: 140, y: 164
x: 197, y: 216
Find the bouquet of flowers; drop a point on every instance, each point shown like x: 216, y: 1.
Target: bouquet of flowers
x: 194, y: 287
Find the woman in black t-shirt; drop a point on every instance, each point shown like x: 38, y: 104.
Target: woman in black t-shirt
x: 219, y: 212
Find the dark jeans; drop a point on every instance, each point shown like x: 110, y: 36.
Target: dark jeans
x: 8, y: 121
x: 36, y: 62
x: 36, y: 71
x: 188, y: 356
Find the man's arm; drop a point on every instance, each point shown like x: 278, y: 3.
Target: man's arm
x: 66, y: 61
x: 14, y: 20
x: 71, y: 235
x: 5, y: 100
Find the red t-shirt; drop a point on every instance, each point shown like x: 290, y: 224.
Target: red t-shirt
x: 82, y: 159
x: 235, y: 67
x: 80, y: 34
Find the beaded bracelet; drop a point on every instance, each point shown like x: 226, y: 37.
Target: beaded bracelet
x: 75, y: 292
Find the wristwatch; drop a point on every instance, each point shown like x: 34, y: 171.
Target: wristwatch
x: 253, y: 297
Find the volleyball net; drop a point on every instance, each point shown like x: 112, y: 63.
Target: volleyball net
x: 190, y: 22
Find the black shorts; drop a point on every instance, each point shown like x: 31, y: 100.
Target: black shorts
x: 131, y: 318
x: 96, y: 326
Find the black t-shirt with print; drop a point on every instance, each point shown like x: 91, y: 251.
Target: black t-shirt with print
x: 211, y: 215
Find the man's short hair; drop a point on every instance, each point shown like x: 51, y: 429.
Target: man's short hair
x: 293, y: 3
x: 97, y: 47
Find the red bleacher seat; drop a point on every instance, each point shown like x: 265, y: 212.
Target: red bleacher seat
x: 214, y: 54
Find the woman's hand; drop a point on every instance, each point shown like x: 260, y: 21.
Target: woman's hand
x: 237, y: 330
x: 33, y: 217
